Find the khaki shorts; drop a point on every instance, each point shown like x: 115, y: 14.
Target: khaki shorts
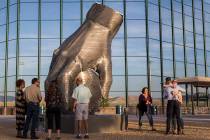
x: 81, y: 112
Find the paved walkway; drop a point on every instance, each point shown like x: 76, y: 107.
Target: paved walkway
x: 197, y: 128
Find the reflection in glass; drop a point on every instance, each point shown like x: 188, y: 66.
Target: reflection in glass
x: 178, y: 36
x: 12, y: 30
x: 12, y: 48
x: 153, y: 30
x: 13, y: 12
x: 136, y: 47
x: 28, y: 47
x: 28, y: 65
x: 137, y: 66
x: 135, y: 10
x: 208, y: 58
x: 136, y: 28
x: 48, y: 46
x: 166, y: 33
x: 136, y: 83
x: 189, y: 39
x: 166, y: 16
x: 177, y: 20
x: 167, y: 50
x: 45, y: 64
x: 190, y: 70
x: 51, y: 11
x: 2, y: 16
x: 118, y: 65
x: 50, y: 29
x: 118, y: 5
x: 11, y: 67
x: 190, y: 55
x: 155, y: 84
x: 117, y: 47
x: 2, y: 33
x: 2, y: 68
x: 1, y: 86
x: 29, y: 11
x: 201, y: 70
x: 28, y: 29
x: 200, y: 57
x: 189, y: 23
x: 152, y: 12
x: 10, y: 85
x: 71, y: 10
x: 2, y: 50
x: 179, y: 53
x: 154, y: 48
x: 118, y: 84
x: 155, y: 66
x: 168, y: 68
x: 69, y: 27
x: 180, y: 72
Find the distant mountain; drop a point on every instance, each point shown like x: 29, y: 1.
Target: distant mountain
x: 9, y: 98
x: 133, y: 100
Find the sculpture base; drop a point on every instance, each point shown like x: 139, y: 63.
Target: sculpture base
x: 96, y: 123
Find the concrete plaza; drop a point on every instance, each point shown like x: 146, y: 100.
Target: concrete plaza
x: 196, y: 128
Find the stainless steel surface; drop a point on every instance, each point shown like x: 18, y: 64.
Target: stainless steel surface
x: 87, y: 53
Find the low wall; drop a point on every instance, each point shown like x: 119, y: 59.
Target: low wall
x: 131, y: 110
x: 96, y: 123
x: 7, y: 111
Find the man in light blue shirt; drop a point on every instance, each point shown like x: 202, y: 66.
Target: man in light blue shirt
x: 81, y: 96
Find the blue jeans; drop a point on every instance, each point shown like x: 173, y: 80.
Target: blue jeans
x: 148, y: 114
x: 31, y: 114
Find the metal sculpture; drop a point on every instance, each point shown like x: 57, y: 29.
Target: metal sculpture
x: 87, y: 53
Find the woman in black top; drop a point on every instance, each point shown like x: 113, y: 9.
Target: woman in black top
x: 20, y: 105
x: 53, y: 105
x: 145, y: 102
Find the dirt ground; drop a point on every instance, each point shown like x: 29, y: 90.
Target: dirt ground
x: 196, y: 128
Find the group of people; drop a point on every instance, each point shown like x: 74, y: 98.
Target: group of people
x: 29, y: 98
x: 27, y: 108
x: 27, y: 103
x: 173, y: 94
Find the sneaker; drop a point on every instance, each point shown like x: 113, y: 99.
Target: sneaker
x: 78, y: 136
x: 86, y: 136
x: 48, y: 138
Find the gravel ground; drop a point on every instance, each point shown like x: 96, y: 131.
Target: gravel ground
x: 195, y: 129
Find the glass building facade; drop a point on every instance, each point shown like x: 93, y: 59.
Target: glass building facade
x: 158, y: 38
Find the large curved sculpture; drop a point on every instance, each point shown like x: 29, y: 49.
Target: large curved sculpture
x: 87, y: 53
